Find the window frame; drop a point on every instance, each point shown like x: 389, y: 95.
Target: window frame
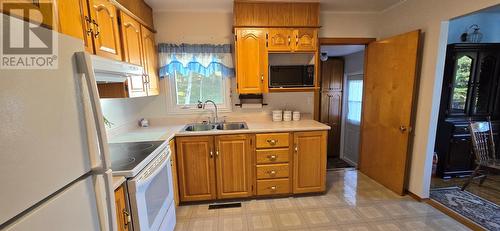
x: 358, y: 77
x: 175, y: 109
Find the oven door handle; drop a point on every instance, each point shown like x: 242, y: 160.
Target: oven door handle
x: 146, y: 177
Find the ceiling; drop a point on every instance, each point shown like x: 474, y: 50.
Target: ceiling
x: 341, y: 50
x: 368, y: 6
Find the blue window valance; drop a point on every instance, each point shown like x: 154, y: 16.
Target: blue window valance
x: 203, y: 59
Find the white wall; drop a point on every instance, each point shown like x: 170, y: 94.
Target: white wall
x: 354, y: 63
x: 362, y: 25
x: 426, y: 15
x: 488, y: 22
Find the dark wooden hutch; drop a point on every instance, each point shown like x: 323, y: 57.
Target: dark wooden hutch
x: 470, y: 91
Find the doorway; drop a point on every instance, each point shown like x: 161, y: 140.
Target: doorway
x: 342, y: 68
x: 470, y: 93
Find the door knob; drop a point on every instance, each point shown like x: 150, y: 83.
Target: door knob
x: 403, y: 129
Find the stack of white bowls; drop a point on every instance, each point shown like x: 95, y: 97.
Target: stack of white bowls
x: 277, y: 115
x: 296, y: 115
x: 287, y: 116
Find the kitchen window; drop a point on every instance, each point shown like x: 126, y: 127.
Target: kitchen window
x: 196, y: 72
x: 185, y: 90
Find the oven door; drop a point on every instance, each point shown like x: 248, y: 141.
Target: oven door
x: 151, y: 193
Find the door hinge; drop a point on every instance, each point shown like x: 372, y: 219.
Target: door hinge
x: 235, y: 37
x: 267, y: 39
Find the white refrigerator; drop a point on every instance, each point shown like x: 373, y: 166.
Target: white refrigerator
x: 54, y: 166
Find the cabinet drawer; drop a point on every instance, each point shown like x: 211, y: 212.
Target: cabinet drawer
x: 272, y: 171
x: 270, y: 187
x: 272, y: 140
x: 269, y: 156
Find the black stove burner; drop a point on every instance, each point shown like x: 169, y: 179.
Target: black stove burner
x: 125, y: 156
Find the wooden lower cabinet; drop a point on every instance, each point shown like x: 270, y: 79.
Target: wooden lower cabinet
x: 233, y: 163
x: 309, y: 162
x: 215, y: 167
x: 233, y: 166
x: 173, y: 164
x: 122, y: 214
x: 196, y: 168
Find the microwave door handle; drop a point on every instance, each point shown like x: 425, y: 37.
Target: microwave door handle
x: 85, y: 68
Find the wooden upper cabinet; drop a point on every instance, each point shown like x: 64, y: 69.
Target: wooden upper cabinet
x: 251, y: 61
x: 150, y: 57
x: 106, y: 33
x: 196, y: 168
x: 304, y: 14
x: 276, y: 14
x: 131, y: 39
x: 46, y: 9
x: 280, y: 39
x: 306, y: 39
x: 75, y: 21
x: 233, y: 160
x: 309, y: 162
x: 140, y: 9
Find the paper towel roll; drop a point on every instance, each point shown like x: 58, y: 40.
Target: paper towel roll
x: 251, y: 105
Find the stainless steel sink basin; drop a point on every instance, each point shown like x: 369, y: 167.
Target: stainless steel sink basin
x: 232, y: 126
x: 198, y: 127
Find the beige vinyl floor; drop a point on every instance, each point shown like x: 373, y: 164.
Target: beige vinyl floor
x: 352, y: 202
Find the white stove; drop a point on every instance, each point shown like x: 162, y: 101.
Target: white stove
x: 147, y: 166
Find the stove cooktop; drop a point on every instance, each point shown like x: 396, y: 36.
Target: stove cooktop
x: 125, y: 157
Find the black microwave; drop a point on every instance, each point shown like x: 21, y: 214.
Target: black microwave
x: 291, y: 76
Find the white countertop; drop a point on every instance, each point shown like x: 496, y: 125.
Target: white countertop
x: 167, y: 132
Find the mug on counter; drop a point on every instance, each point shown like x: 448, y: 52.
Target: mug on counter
x: 287, y: 116
x: 277, y: 115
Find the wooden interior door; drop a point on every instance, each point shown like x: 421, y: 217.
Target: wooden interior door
x: 106, y: 35
x: 388, y: 99
x: 251, y: 61
x: 233, y: 163
x: 309, y: 162
x: 196, y: 170
x: 150, y: 57
x: 131, y: 39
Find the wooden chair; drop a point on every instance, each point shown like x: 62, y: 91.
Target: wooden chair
x: 483, y: 147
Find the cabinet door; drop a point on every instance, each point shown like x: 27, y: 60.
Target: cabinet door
x: 233, y: 155
x: 251, y: 61
x: 309, y: 162
x: 460, y: 79
x: 460, y: 157
x: 106, y: 35
x: 131, y: 39
x: 332, y: 74
x: 306, y: 39
x: 136, y: 86
x: 485, y: 84
x: 74, y: 20
x: 173, y: 164
x: 196, y: 170
x: 279, y: 39
x: 21, y: 9
x: 122, y: 214
x: 150, y: 57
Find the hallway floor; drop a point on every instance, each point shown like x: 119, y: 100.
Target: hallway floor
x: 352, y: 202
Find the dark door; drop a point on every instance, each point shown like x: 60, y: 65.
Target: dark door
x: 484, y: 84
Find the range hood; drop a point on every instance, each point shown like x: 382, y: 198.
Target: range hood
x: 112, y: 71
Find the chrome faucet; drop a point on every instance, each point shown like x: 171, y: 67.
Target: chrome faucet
x: 216, y: 119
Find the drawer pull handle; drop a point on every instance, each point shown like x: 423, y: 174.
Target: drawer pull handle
x: 272, y: 142
x: 273, y: 188
x: 272, y: 157
x: 272, y: 173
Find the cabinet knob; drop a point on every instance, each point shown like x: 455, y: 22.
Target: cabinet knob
x: 273, y: 188
x: 272, y: 157
x: 211, y: 154
x: 272, y: 173
x: 126, y: 217
x: 272, y: 142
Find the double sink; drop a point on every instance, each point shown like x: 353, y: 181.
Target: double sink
x: 196, y: 127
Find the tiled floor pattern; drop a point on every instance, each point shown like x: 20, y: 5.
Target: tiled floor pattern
x: 352, y: 202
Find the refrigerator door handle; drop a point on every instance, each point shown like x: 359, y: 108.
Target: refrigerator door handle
x: 107, y: 209
x: 85, y: 67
